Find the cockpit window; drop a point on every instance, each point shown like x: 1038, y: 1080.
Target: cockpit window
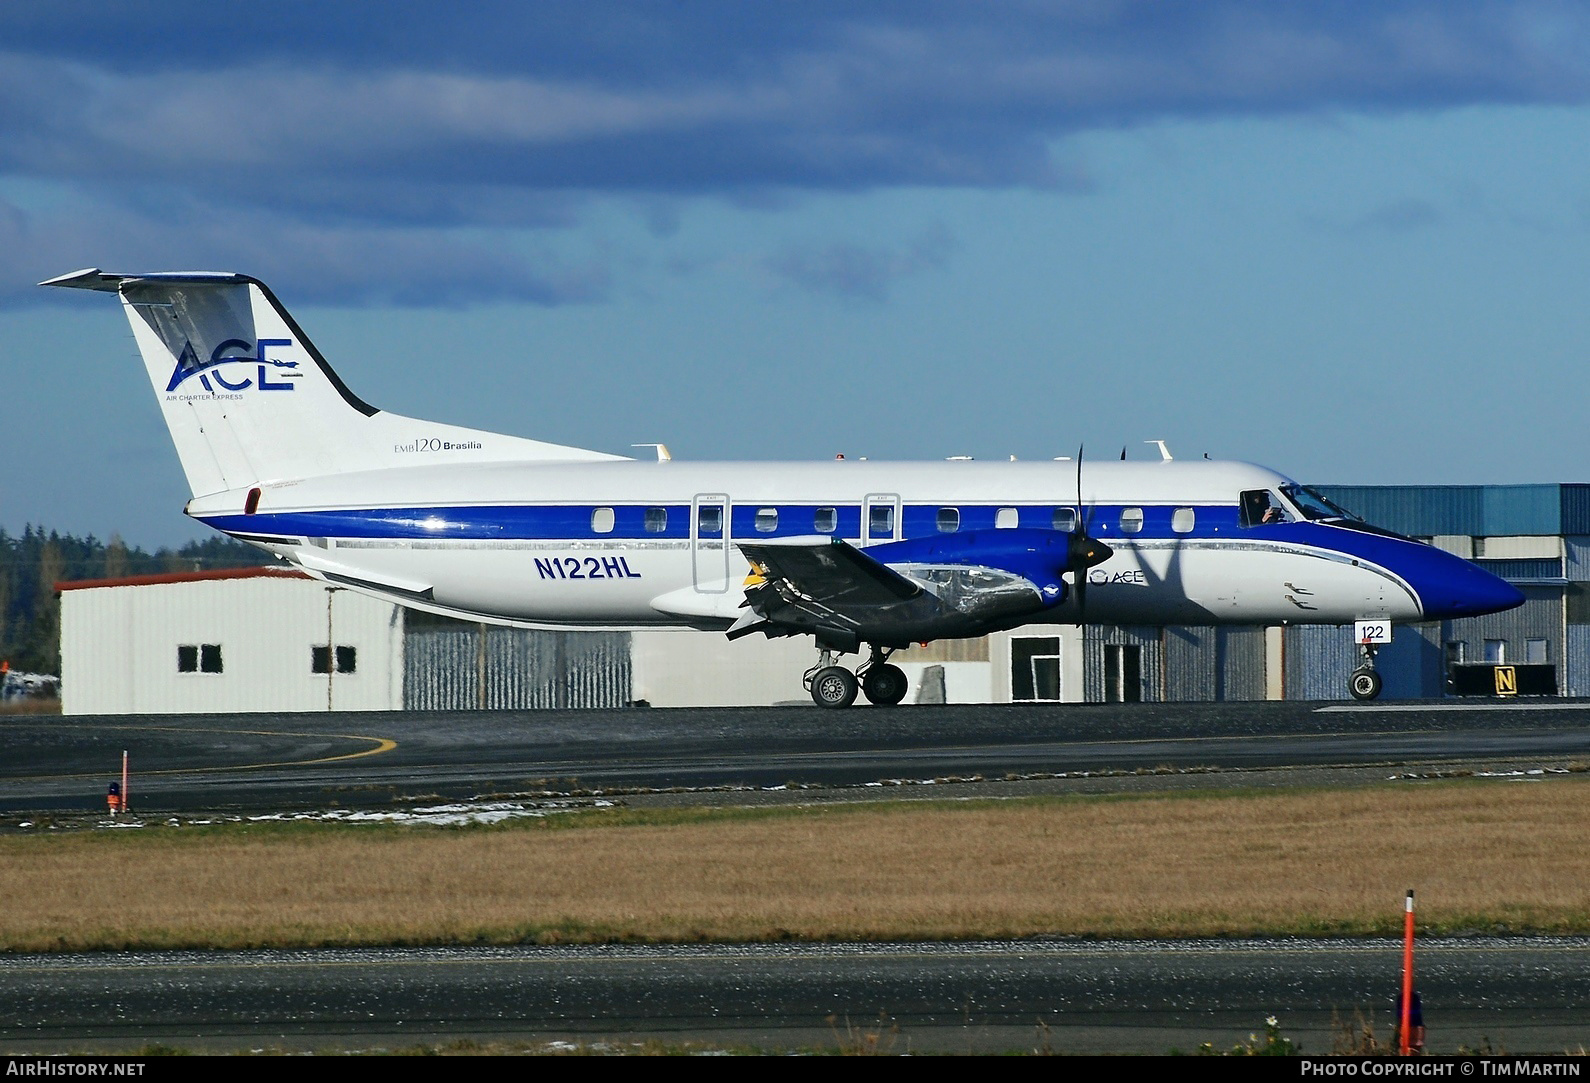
x: 1260, y: 507
x: 1313, y: 505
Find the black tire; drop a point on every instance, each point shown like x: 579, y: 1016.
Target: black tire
x: 1364, y: 684
x: 834, y: 687
x: 884, y: 685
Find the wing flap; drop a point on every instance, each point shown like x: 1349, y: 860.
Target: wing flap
x: 830, y: 571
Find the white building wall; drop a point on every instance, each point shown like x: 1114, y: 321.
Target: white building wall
x: 680, y: 667
x: 119, y: 647
x: 684, y: 668
x: 1519, y: 547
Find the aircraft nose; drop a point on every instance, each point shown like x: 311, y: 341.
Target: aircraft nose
x: 1461, y: 589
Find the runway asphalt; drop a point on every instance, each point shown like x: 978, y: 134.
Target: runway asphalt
x: 1521, y: 995
x: 378, y: 760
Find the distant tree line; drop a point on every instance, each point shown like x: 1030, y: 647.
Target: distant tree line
x: 31, y: 565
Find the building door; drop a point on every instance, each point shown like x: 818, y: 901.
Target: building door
x: 1034, y: 669
x: 709, y: 542
x: 1123, y: 673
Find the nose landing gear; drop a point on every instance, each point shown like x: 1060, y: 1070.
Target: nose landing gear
x: 1365, y: 683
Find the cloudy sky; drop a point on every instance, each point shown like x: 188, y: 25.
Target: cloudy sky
x: 1347, y: 240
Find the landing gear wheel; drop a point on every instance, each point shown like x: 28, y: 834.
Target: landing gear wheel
x: 1364, y: 684
x: 833, y: 686
x: 884, y: 685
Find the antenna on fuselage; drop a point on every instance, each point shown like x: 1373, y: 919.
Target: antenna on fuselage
x: 663, y: 455
x: 1164, y: 452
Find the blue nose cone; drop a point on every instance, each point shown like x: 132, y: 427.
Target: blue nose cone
x: 1456, y: 588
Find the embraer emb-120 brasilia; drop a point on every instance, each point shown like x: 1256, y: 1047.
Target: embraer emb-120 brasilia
x: 856, y: 554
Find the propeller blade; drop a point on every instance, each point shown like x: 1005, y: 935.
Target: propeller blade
x: 1080, y: 540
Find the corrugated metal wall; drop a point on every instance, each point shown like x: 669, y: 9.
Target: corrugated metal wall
x: 1150, y: 642
x: 486, y: 668
x: 1540, y: 617
x: 1576, y: 558
x: 1191, y: 664
x: 1573, y: 679
x: 1575, y: 509
x: 1242, y: 665
x: 1424, y: 510
x: 1209, y: 663
x: 1412, y: 664
x: 1414, y: 509
x: 1319, y: 658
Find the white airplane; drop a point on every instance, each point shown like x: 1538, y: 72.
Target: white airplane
x: 485, y: 527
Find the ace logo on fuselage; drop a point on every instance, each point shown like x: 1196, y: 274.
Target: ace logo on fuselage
x: 223, y: 362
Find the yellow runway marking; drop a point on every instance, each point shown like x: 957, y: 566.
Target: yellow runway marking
x: 379, y: 745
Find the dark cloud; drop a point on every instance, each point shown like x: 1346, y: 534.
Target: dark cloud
x: 402, y: 117
x: 347, y: 265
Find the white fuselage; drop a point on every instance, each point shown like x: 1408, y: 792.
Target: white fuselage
x: 620, y: 544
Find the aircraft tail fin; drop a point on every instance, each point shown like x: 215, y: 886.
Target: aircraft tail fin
x: 250, y: 401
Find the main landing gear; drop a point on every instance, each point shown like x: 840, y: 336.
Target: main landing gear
x: 833, y: 685
x: 1365, y: 682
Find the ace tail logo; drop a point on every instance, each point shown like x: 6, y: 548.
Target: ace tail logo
x: 222, y: 367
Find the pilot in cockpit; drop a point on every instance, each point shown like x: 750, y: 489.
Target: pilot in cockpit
x: 1258, y: 507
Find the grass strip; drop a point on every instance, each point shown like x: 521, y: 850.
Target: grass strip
x: 1484, y: 855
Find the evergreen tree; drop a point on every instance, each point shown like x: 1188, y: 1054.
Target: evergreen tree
x: 31, y: 565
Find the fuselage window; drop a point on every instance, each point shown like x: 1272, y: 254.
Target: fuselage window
x: 766, y: 520
x: 602, y: 521
x: 1065, y: 519
x: 709, y: 520
x: 880, y: 520
x: 949, y: 520
x: 1131, y: 520
x: 1005, y: 519
x: 656, y: 520
x: 1181, y: 521
x: 826, y: 521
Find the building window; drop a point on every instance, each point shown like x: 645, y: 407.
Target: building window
x: 1536, y: 652
x: 1034, y: 668
x: 1457, y: 652
x: 1496, y: 651
x: 656, y: 520
x: 602, y: 521
x: 825, y: 521
x: 949, y: 520
x: 320, y: 659
x: 766, y: 520
x: 199, y: 658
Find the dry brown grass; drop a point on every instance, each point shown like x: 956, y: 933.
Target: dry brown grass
x: 1481, y: 855
x: 48, y: 705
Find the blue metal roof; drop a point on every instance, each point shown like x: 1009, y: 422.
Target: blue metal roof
x: 1481, y: 510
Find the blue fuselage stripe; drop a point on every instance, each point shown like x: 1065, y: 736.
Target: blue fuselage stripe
x: 544, y: 522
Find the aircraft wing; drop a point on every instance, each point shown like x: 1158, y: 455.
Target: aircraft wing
x: 807, y: 584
